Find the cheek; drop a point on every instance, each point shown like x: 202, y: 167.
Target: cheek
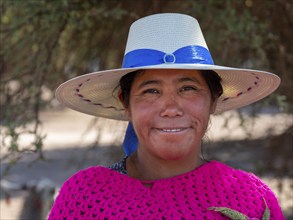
x: 140, y: 114
x: 141, y: 107
x: 144, y: 117
x: 199, y: 112
x: 200, y: 106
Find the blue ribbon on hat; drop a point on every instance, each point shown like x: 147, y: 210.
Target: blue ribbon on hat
x: 147, y: 57
x: 130, y: 142
x: 188, y: 55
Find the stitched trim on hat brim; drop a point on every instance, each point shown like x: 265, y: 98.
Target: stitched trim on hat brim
x: 269, y: 83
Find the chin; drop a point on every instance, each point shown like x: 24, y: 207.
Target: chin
x: 173, y: 156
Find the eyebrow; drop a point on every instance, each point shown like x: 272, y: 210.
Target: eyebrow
x: 149, y: 82
x: 158, y: 82
x: 189, y: 79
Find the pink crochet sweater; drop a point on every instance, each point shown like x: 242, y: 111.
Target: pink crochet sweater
x: 102, y: 193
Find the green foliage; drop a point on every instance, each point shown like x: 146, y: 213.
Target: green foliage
x: 230, y: 213
x: 233, y: 214
x: 44, y: 43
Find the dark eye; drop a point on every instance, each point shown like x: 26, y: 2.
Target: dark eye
x: 187, y: 88
x: 151, y: 91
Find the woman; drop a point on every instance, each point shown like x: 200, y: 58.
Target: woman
x: 167, y: 90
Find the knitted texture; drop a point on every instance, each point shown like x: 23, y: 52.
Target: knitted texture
x: 102, y: 193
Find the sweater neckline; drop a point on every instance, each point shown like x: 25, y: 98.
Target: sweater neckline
x: 152, y: 183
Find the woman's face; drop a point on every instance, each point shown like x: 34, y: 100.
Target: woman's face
x: 170, y: 111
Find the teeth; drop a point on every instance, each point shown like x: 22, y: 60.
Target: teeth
x: 172, y: 130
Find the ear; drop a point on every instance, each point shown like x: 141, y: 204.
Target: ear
x: 213, y: 106
x: 128, y: 114
x: 126, y: 110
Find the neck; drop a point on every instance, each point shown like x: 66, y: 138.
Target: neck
x: 142, y: 167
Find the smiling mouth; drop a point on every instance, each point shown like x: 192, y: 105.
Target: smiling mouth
x: 172, y: 130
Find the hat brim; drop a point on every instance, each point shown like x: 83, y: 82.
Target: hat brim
x: 97, y: 93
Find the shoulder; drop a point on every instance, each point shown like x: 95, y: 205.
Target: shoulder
x: 90, y: 179
x: 240, y: 181
x: 245, y: 189
x: 81, y: 179
x: 88, y: 176
x: 80, y: 189
x: 84, y: 174
x: 225, y: 172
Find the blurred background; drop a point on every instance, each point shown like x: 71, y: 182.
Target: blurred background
x: 46, y: 42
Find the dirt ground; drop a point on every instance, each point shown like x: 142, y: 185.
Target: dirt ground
x: 71, y: 144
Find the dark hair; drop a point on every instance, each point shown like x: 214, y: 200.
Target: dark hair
x: 126, y: 84
x: 212, y: 79
x: 214, y: 83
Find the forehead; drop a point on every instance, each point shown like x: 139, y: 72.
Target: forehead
x: 166, y: 75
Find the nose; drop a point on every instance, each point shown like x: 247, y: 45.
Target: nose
x: 170, y: 106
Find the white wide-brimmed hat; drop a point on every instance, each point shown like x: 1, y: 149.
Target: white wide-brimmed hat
x: 163, y: 41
